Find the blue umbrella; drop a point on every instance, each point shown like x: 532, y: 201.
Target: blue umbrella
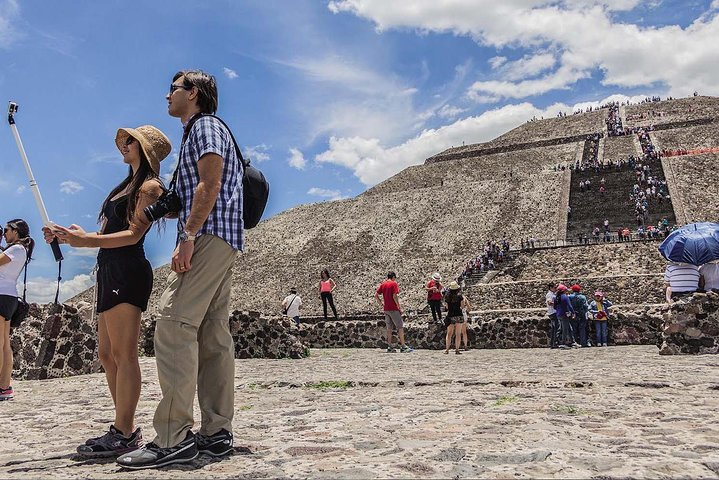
x: 695, y: 243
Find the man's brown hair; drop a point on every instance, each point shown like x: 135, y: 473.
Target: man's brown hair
x: 206, y: 87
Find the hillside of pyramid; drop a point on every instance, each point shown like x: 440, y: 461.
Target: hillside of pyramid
x: 437, y: 215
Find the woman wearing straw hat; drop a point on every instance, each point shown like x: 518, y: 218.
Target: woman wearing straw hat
x: 434, y: 296
x: 13, y: 258
x: 124, y: 280
x: 455, y: 303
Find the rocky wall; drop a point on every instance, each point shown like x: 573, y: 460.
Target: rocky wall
x: 636, y: 326
x: 691, y: 326
x: 254, y: 336
x: 55, y: 341
x: 635, y: 289
x: 603, y: 259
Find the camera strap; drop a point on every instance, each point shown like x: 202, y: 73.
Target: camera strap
x: 24, y: 288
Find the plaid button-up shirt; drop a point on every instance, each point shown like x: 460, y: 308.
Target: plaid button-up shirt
x: 208, y: 135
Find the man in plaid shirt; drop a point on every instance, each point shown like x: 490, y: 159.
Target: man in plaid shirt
x: 194, y: 348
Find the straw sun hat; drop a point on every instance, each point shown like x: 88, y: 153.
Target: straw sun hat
x: 153, y: 142
x: 454, y: 286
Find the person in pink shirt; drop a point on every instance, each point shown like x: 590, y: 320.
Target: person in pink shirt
x: 327, y: 286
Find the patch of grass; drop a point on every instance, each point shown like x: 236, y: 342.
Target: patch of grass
x: 253, y: 386
x: 569, y: 409
x: 504, y: 400
x: 331, y: 384
x: 244, y: 408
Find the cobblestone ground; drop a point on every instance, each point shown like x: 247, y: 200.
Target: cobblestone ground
x: 599, y: 412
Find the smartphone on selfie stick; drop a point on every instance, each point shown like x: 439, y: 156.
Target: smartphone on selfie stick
x: 12, y: 109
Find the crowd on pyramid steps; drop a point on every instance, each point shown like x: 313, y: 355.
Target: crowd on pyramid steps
x: 492, y: 254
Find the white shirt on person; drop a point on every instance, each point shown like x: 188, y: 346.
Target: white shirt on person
x: 710, y: 272
x: 550, y: 303
x: 10, y: 271
x: 292, y: 302
x: 682, y: 277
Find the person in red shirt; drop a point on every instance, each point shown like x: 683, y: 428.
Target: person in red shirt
x: 389, y: 290
x: 434, y: 296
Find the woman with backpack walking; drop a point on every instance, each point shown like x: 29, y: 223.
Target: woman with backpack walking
x: 327, y: 286
x: 16, y: 255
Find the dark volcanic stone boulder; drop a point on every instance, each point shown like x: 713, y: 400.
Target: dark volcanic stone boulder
x: 691, y: 326
x: 55, y: 341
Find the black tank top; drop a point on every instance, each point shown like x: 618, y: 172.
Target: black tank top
x: 116, y: 221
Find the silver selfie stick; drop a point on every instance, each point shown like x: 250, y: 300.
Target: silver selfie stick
x: 12, y: 109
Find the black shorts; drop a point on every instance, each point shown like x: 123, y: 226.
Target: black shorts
x: 8, y: 305
x: 123, y: 280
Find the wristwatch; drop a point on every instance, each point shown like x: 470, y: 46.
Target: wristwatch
x: 186, y: 237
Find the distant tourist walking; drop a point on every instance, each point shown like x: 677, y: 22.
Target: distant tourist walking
x: 455, y: 319
x: 550, y: 298
x: 601, y: 310
x: 327, y: 286
x: 434, y: 296
x: 124, y: 280
x: 565, y: 314
x: 194, y: 348
x: 13, y: 258
x: 464, y: 325
x: 581, y: 309
x: 389, y: 292
x: 291, y: 306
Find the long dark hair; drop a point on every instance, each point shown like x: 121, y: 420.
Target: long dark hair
x: 144, y: 172
x: 325, y: 274
x: 452, y: 295
x: 24, y: 238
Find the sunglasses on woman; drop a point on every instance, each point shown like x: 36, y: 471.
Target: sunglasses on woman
x: 129, y: 141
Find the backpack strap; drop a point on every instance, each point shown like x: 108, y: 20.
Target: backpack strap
x: 245, y: 163
x: 186, y: 133
x: 59, y: 277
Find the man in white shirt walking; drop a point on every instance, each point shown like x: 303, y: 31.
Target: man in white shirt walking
x: 291, y: 306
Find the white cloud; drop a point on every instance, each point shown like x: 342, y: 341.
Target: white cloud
x: 297, y: 159
x: 496, y: 62
x: 325, y: 193
x: 70, y: 187
x: 527, y: 66
x: 9, y: 13
x: 83, y: 252
x: 450, y: 112
x: 258, y: 153
x: 371, y: 162
x: 167, y: 176
x: 229, y: 73
x: 20, y: 189
x: 583, y: 33
x: 346, y: 97
x: 42, y: 290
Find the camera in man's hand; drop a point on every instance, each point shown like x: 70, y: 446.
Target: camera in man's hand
x: 169, y: 202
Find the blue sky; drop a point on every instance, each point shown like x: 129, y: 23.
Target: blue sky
x: 326, y: 97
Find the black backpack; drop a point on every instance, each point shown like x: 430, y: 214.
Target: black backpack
x: 255, y: 188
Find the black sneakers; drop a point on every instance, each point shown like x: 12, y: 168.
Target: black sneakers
x: 111, y: 444
x: 216, y: 445
x: 152, y: 456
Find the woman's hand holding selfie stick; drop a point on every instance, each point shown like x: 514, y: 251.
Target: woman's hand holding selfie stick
x: 57, y: 253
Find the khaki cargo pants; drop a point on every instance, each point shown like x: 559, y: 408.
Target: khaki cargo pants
x: 194, y: 349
